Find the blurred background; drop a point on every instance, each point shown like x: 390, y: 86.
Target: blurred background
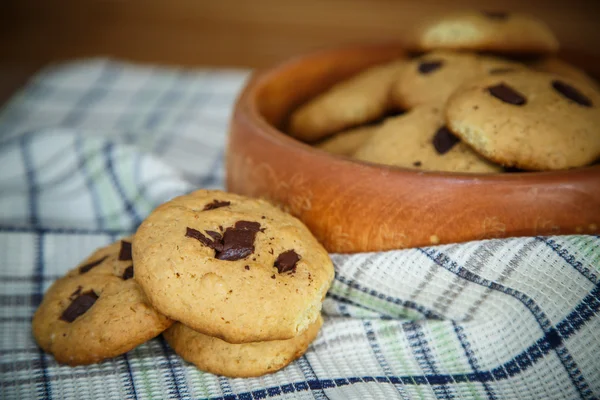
x: 237, y: 33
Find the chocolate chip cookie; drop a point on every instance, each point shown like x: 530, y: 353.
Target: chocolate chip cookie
x: 114, y: 259
x: 492, y: 31
x: 419, y: 140
x: 431, y: 78
x: 96, y: 312
x: 361, y: 99
x: 214, y: 355
x: 530, y: 120
x: 231, y: 267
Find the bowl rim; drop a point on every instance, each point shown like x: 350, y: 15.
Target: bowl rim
x: 247, y: 110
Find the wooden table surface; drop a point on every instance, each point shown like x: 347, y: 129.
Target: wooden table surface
x: 236, y: 32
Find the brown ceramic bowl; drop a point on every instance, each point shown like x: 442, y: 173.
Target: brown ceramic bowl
x: 355, y: 206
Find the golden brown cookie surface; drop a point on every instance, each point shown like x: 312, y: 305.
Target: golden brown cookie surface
x: 231, y: 267
x: 361, y: 99
x: 433, y: 77
x: 499, y: 32
x: 419, y: 140
x: 530, y: 120
x: 347, y: 142
x: 238, y: 360
x: 94, y: 313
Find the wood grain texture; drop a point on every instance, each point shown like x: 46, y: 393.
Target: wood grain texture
x: 243, y: 33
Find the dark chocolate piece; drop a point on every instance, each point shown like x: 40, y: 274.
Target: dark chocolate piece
x: 444, y: 140
x: 128, y: 273
x: 215, y: 235
x: 195, y: 234
x: 507, y: 94
x: 75, y: 293
x: 216, y: 204
x: 287, y: 261
x: 236, y: 243
x: 125, y: 253
x: 247, y: 225
x: 571, y: 93
x: 427, y: 67
x: 85, y: 268
x: 79, y: 306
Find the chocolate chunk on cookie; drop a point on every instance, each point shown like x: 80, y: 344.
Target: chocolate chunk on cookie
x: 88, y: 266
x: 491, y: 31
x: 238, y: 241
x: 79, y: 305
x: 507, y: 94
x: 444, y: 140
x: 529, y: 120
x: 125, y: 253
x: 571, y: 93
x: 128, y: 273
x: 87, y: 317
x: 216, y: 204
x: 235, y: 244
x: 419, y: 140
x: 287, y: 261
x: 220, y: 264
x: 214, y: 355
x: 359, y: 100
x: 426, y: 67
x: 433, y: 77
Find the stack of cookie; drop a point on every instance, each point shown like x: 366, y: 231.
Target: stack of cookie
x: 485, y: 95
x: 235, y: 284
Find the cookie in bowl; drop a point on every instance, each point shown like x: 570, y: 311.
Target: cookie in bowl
x: 347, y: 142
x: 529, y: 120
x: 232, y: 267
x: 431, y: 78
x: 490, y: 31
x: 419, y: 140
x: 351, y: 205
x: 359, y: 100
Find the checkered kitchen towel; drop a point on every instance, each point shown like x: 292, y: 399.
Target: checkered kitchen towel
x: 88, y: 149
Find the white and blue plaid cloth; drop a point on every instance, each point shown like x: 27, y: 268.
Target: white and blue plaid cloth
x: 88, y: 149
